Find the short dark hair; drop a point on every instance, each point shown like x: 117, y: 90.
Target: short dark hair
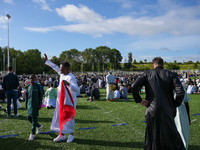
x: 65, y: 64
x: 10, y: 68
x: 158, y: 60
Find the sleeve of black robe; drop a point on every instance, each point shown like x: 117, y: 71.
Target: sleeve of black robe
x: 180, y: 92
x: 136, y: 86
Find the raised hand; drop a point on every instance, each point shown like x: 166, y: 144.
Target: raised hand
x: 45, y: 57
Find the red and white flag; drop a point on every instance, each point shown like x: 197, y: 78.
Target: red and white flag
x: 67, y: 111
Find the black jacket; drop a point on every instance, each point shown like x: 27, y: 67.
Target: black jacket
x: 10, y: 82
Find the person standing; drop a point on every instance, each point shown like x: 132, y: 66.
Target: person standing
x: 10, y: 84
x: 70, y: 81
x: 33, y: 104
x: 160, y: 85
x: 110, y: 80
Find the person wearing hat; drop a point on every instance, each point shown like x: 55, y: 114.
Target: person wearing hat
x: 110, y: 79
x: 95, y: 94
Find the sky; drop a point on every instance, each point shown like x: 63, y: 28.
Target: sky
x: 147, y: 28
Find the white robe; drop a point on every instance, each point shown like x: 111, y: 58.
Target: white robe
x: 73, y: 88
x: 182, y: 121
x: 110, y: 79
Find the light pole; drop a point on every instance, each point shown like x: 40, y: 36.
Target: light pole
x: 8, y: 16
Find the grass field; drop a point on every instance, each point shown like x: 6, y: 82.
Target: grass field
x: 99, y: 114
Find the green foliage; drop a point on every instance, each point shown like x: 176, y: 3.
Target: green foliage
x: 172, y: 66
x: 134, y: 62
x: 141, y: 62
x: 195, y: 65
x: 99, y: 59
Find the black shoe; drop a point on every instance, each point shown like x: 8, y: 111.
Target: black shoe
x: 52, y: 107
x: 48, y: 107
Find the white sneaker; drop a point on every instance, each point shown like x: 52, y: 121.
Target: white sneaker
x: 70, y: 138
x: 62, y: 138
x: 16, y: 115
x: 31, y: 138
x: 39, y: 129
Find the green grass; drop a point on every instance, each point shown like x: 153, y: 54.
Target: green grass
x: 99, y: 114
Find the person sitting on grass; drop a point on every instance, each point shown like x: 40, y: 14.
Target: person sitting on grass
x: 190, y: 89
x: 33, y: 105
x: 116, y: 94
x: 82, y: 88
x: 88, y: 90
x: 2, y: 94
x: 123, y: 92
x: 95, y: 94
x: 51, y: 95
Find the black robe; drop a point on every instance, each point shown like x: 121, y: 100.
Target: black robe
x: 161, y: 132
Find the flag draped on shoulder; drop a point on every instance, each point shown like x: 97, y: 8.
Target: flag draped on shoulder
x: 67, y: 111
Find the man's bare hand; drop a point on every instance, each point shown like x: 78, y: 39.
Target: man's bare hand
x: 66, y: 83
x: 45, y: 57
x: 144, y: 102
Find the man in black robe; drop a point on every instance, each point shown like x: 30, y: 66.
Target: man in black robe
x: 160, y: 85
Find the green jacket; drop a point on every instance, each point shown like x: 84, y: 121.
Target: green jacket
x: 51, y: 93
x: 33, y: 99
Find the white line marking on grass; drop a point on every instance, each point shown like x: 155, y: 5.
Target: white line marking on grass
x: 107, y: 112
x: 135, y: 106
x: 194, y: 120
x: 142, y: 134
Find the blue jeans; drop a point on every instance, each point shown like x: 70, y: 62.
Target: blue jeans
x: 11, y: 94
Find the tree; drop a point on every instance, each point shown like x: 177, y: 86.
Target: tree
x: 141, y: 62
x: 134, y: 62
x: 172, y: 66
x: 33, y: 62
x: 195, y: 65
x: 190, y: 62
x: 73, y: 56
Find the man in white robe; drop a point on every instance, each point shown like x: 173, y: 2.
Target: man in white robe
x: 71, y: 82
x: 110, y: 79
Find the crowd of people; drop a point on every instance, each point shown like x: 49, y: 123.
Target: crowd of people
x: 159, y: 84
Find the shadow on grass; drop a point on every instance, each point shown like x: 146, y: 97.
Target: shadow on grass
x: 193, y: 147
x: 40, y: 119
x: 86, y: 107
x: 92, y: 121
x: 119, y: 100
x: 110, y: 143
x: 18, y: 143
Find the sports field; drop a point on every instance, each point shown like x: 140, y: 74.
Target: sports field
x: 99, y: 125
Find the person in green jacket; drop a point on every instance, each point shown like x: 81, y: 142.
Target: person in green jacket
x: 33, y: 104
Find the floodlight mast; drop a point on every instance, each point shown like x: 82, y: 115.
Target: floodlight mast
x: 8, y: 16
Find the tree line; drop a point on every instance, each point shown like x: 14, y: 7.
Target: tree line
x: 99, y: 59
x: 31, y: 61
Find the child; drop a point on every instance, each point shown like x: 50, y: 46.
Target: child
x: 33, y: 105
x: 116, y: 94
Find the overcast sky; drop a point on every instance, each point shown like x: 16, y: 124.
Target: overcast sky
x: 147, y: 28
